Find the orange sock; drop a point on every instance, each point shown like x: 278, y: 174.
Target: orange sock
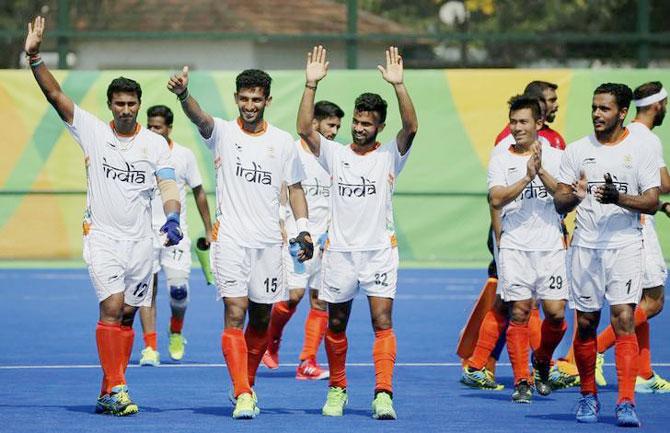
x: 552, y: 334
x: 644, y: 355
x: 281, y: 314
x: 257, y: 342
x: 517, y: 347
x: 489, y: 332
x: 585, y: 358
x: 111, y: 353
x: 336, y: 349
x: 535, y: 329
x: 315, y: 330
x: 384, y: 352
x: 176, y: 325
x: 128, y: 336
x: 151, y: 340
x: 625, y: 353
x: 607, y: 337
x: 235, y: 353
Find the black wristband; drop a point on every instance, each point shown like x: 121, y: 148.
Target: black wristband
x: 663, y: 206
x: 183, y: 95
x: 310, y: 87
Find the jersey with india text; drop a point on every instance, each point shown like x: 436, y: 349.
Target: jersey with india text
x: 530, y: 222
x: 186, y: 174
x: 361, y: 199
x: 120, y: 175
x: 252, y: 167
x: 317, y: 192
x: 634, y: 169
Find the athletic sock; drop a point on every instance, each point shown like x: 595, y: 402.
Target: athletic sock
x: 625, y: 352
x: 176, y: 325
x: 336, y: 349
x: 235, y: 353
x: 535, y: 329
x: 128, y: 337
x: 151, y: 340
x: 315, y: 330
x: 644, y: 355
x: 111, y: 353
x: 257, y: 342
x: 607, y: 337
x: 384, y: 352
x: 517, y: 347
x: 489, y: 332
x: 552, y: 334
x: 281, y: 314
x: 585, y: 358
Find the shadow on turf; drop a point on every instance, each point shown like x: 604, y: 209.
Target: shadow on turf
x: 228, y: 411
x: 570, y: 417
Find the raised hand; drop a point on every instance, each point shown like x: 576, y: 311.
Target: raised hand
x: 393, y: 73
x: 178, y: 83
x: 317, y: 65
x: 34, y: 38
x: 580, y: 188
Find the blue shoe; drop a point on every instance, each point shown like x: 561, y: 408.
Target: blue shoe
x: 625, y: 415
x: 587, y: 409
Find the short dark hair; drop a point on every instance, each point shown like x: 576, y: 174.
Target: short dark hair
x: 537, y: 87
x: 622, y: 93
x: 647, y: 89
x: 326, y: 109
x: 371, y: 102
x: 125, y: 85
x: 161, y: 111
x: 252, y: 78
x: 519, y: 102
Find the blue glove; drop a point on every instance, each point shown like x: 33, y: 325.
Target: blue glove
x: 171, y: 230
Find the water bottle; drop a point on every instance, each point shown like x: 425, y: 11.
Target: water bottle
x: 294, y: 249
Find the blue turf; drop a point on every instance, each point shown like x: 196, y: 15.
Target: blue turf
x: 48, y: 318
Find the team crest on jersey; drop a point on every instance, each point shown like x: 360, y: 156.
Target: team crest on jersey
x: 254, y: 174
x: 589, y: 161
x: 365, y: 188
x: 128, y: 174
x: 628, y: 161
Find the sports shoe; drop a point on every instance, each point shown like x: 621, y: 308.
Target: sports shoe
x: 176, y: 346
x: 245, y: 406
x: 655, y: 384
x: 150, y: 357
x: 625, y: 415
x: 382, y: 407
x: 522, y: 392
x: 587, y: 409
x: 271, y: 356
x: 600, y: 377
x: 541, y: 377
x: 563, y: 375
x: 117, y: 403
x: 310, y: 370
x: 335, y: 402
x: 479, y: 379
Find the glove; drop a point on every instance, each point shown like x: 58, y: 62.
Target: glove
x: 609, y: 192
x: 171, y: 230
x: 304, y: 240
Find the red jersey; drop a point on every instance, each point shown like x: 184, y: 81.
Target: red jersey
x: 553, y: 137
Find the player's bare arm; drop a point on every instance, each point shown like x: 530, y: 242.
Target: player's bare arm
x: 283, y: 201
x: 203, y: 208
x: 167, y: 184
x: 496, y: 223
x: 647, y: 202
x: 665, y: 181
x: 315, y: 71
x: 549, y: 181
x: 500, y: 196
x: 393, y: 74
x: 48, y: 84
x: 298, y: 202
x: 567, y: 197
x: 178, y: 84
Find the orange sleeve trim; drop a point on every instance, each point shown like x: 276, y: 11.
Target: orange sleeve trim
x: 394, y: 241
x: 215, y: 231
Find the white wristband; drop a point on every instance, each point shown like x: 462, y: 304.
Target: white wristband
x: 283, y: 212
x: 301, y: 224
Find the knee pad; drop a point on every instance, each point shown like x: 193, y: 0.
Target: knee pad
x: 177, y: 283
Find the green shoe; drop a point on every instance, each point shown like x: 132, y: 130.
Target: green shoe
x: 335, y: 402
x: 600, y: 377
x: 563, y: 375
x: 382, y: 407
x: 654, y: 385
x: 150, y: 357
x: 480, y: 379
x: 176, y: 346
x: 245, y: 407
x: 116, y: 403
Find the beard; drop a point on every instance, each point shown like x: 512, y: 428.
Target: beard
x: 658, y: 119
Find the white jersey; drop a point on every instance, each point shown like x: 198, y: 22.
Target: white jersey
x: 186, y: 174
x: 530, y: 222
x: 120, y: 175
x: 317, y: 192
x: 361, y: 199
x: 251, y: 170
x: 503, y: 145
x: 634, y: 169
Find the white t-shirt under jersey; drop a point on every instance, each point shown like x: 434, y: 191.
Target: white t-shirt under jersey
x: 248, y: 181
x: 120, y: 175
x: 317, y: 192
x: 186, y: 174
x: 530, y: 222
x: 634, y: 169
x: 361, y: 200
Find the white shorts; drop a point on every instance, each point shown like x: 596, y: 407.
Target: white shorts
x: 376, y: 272
x: 117, y: 266
x: 176, y: 257
x: 655, y: 270
x: 532, y: 274
x: 612, y: 274
x: 257, y: 273
x: 311, y: 278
